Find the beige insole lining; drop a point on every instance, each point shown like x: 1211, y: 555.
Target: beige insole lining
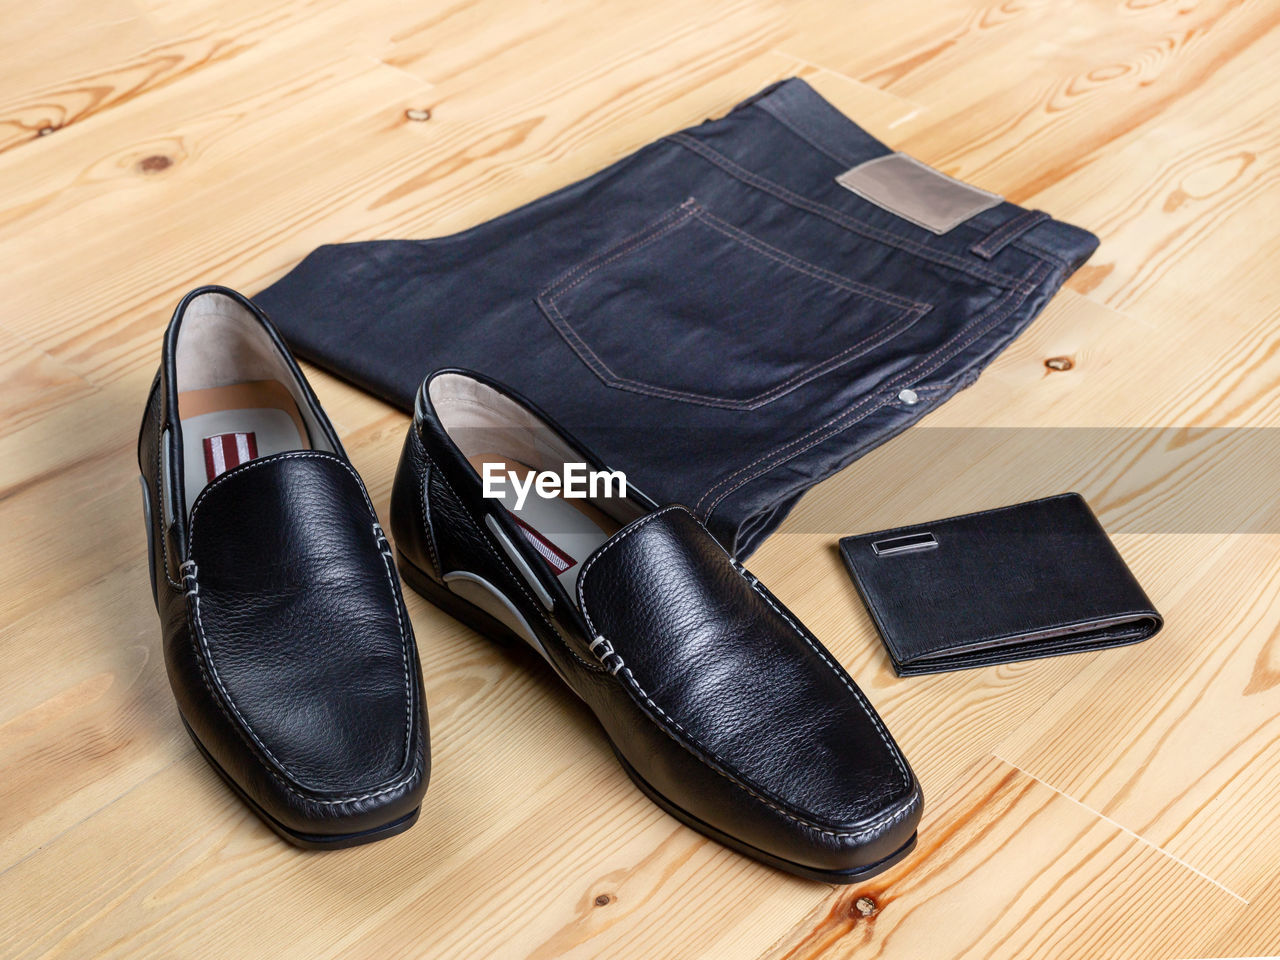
x: 264, y: 409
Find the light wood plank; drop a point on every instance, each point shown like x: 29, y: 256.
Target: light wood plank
x: 1017, y: 869
x: 1114, y: 804
x: 1177, y: 739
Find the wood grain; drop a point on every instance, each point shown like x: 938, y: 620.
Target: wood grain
x: 1114, y: 804
x: 1019, y: 870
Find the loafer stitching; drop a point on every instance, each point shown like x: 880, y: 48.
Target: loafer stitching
x: 716, y: 766
x: 591, y: 561
x: 157, y: 385
x: 164, y: 534
x: 243, y: 727
x: 424, y: 508
x: 709, y: 754
x: 388, y: 562
x: 844, y: 679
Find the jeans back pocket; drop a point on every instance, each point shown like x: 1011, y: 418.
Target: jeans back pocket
x: 691, y: 308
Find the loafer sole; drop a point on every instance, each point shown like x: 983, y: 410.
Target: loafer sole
x: 307, y: 841
x: 490, y: 627
x: 854, y: 875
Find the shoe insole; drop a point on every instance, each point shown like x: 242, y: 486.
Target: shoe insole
x: 561, y: 531
x: 223, y: 427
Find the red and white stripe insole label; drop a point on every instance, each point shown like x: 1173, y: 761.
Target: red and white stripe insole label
x: 227, y: 450
x: 557, y: 559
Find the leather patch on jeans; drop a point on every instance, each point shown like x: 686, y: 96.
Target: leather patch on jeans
x: 916, y: 192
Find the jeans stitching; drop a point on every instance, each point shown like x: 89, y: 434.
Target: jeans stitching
x: 839, y: 218
x: 576, y: 343
x: 998, y: 310
x: 911, y: 311
x: 646, y: 234
x: 1003, y: 235
x: 812, y: 373
x: 1033, y: 249
x: 795, y: 263
x: 803, y: 134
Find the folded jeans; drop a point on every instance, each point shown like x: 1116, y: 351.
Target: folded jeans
x: 718, y: 315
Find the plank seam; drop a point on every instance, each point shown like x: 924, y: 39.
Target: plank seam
x: 1121, y: 827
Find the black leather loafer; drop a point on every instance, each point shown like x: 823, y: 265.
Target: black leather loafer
x: 285, y: 636
x: 720, y: 705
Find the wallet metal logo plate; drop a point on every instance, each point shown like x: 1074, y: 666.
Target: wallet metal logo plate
x: 907, y: 544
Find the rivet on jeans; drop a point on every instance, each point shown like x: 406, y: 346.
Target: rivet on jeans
x: 909, y: 396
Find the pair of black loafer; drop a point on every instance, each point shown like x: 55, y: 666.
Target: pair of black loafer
x: 292, y: 658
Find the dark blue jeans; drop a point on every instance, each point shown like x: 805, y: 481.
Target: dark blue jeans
x: 714, y: 314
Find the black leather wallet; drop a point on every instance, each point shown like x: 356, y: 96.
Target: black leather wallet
x: 1036, y: 579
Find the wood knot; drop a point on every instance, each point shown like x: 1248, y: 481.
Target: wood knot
x: 417, y: 114
x: 155, y: 163
x: 1059, y: 363
x: 866, y: 906
x: 603, y: 900
x: 46, y: 130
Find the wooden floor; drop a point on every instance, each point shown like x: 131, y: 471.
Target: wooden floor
x: 1122, y: 804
